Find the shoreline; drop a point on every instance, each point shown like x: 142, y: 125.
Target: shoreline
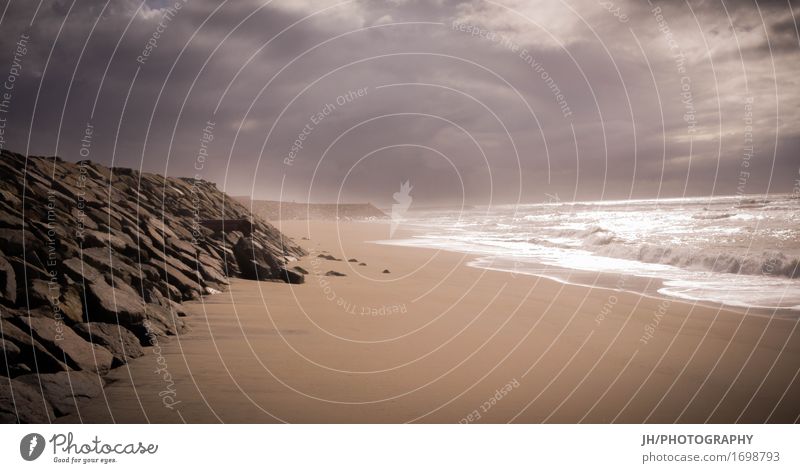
x: 579, y: 277
x: 271, y: 352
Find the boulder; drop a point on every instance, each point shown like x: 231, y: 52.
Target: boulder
x: 116, y: 240
x: 80, y: 270
x: 65, y: 390
x: 109, y: 262
x: 64, y: 343
x: 8, y: 281
x: 118, y: 304
x: 40, y: 293
x: 11, y: 240
x: 254, y: 261
x: 10, y: 350
x: 32, y: 354
x: 292, y: 276
x: 165, y: 319
x: 20, y: 402
x: 121, y: 342
x: 71, y: 302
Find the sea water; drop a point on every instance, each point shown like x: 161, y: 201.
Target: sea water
x: 734, y: 250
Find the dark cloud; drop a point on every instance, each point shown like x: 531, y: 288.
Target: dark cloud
x: 582, y: 98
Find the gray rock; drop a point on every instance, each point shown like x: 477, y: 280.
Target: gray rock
x: 80, y: 271
x: 20, y: 402
x: 254, y: 261
x: 118, y: 304
x: 11, y: 351
x: 71, y: 302
x: 120, y: 242
x: 291, y: 276
x: 121, y: 342
x: 31, y: 352
x: 64, y: 343
x: 8, y: 281
x: 11, y: 240
x: 65, y: 390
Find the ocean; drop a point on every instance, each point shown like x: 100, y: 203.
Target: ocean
x: 741, y: 251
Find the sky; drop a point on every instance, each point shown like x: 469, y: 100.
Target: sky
x: 471, y: 102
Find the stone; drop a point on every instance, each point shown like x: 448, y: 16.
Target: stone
x: 118, y: 304
x: 386, y: 271
x: 20, y: 402
x: 8, y: 281
x: 11, y: 351
x: 291, y: 276
x: 40, y: 293
x: 80, y: 270
x: 71, y: 302
x: 65, y: 390
x: 121, y: 342
x: 64, y: 343
x: 335, y: 273
x: 31, y: 352
x: 96, y: 238
x: 253, y: 260
x: 11, y: 240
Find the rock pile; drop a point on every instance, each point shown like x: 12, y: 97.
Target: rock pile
x: 94, y: 264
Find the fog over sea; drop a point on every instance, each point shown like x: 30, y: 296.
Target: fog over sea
x: 737, y: 250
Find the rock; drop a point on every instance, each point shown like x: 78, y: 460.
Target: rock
x: 11, y: 351
x: 189, y: 289
x: 71, y: 302
x: 253, y: 260
x: 121, y: 342
x: 362, y: 264
x: 31, y: 352
x: 66, y: 389
x: 334, y: 273
x: 80, y: 270
x: 8, y: 281
x: 95, y: 238
x: 64, y: 343
x: 386, y: 271
x: 39, y: 293
x: 328, y: 257
x: 20, y: 402
x: 300, y: 270
x: 291, y: 276
x: 11, y: 240
x: 352, y: 260
x: 118, y: 304
x: 164, y: 319
x: 108, y: 261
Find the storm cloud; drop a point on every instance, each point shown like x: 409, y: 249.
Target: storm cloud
x: 471, y: 101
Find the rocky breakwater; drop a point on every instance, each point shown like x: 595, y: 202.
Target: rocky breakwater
x: 94, y: 265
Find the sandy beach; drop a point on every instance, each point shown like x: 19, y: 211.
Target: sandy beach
x: 435, y: 340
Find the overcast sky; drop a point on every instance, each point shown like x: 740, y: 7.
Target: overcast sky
x: 479, y: 101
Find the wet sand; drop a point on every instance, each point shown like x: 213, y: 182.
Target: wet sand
x: 438, y: 341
